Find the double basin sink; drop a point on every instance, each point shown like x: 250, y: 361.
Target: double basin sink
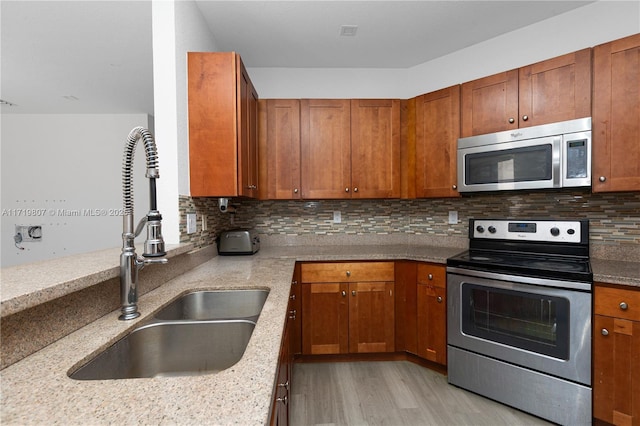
x: 198, y: 333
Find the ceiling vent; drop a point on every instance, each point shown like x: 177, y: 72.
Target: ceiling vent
x: 348, y: 30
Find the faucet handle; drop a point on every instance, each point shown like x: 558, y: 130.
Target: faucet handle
x: 148, y: 260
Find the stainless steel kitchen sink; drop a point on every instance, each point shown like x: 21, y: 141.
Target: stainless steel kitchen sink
x: 214, y: 305
x: 182, y: 348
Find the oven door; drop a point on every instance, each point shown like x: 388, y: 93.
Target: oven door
x: 543, y: 328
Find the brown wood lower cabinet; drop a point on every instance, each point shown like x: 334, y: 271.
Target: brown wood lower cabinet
x: 616, y: 355
x: 347, y: 308
x: 432, y: 312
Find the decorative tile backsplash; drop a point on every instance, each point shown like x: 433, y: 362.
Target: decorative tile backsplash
x: 614, y: 218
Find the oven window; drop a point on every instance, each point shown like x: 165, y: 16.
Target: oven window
x: 531, y: 163
x: 530, y: 321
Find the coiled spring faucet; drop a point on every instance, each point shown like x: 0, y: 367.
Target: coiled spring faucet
x: 154, y: 251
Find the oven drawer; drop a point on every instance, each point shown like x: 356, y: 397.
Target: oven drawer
x: 617, y: 302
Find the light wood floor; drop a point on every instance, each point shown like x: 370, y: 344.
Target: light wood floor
x: 389, y: 393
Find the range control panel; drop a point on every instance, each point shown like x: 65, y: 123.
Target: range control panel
x: 527, y: 230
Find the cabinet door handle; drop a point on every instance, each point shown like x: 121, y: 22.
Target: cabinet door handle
x: 344, y: 293
x: 292, y: 297
x: 454, y: 186
x: 430, y: 276
x: 284, y: 399
x: 604, y: 332
x: 292, y: 314
x: 525, y: 117
x: 624, y: 306
x: 439, y: 299
x: 355, y: 189
x: 511, y: 120
x: 295, y: 190
x: 602, y: 178
x: 346, y: 190
x: 348, y: 273
x: 353, y: 292
x: 284, y: 385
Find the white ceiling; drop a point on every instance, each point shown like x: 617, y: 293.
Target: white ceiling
x: 96, y: 56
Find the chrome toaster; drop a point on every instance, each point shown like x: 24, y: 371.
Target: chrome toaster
x: 238, y: 241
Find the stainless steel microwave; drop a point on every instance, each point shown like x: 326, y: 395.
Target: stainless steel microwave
x: 554, y: 155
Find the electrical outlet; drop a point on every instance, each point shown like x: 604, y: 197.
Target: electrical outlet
x: 28, y: 233
x: 453, y: 217
x: 191, y: 223
x: 337, y: 216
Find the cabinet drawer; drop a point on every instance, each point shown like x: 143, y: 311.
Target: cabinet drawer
x: 617, y: 302
x: 347, y: 272
x: 435, y: 275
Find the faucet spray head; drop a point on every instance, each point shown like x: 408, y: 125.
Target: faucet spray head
x: 154, y: 244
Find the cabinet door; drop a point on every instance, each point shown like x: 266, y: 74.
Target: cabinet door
x: 295, y: 312
x: 375, y: 148
x: 371, y: 317
x: 616, y: 370
x: 247, y: 134
x: 432, y: 312
x: 325, y: 316
x: 283, y: 149
x: 490, y: 104
x: 557, y: 89
x: 432, y: 323
x: 213, y: 126
x: 616, y: 115
x: 437, y: 133
x: 325, y: 148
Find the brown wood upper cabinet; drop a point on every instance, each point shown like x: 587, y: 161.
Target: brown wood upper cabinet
x: 616, y: 111
x: 282, y: 149
x: 223, y: 115
x: 557, y: 89
x: 347, y: 307
x: 437, y: 131
x: 350, y: 148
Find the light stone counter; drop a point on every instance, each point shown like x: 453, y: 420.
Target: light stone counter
x: 37, y: 390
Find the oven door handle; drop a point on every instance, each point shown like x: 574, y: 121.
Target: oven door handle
x: 575, y: 285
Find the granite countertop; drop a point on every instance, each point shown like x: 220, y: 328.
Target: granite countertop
x: 37, y: 390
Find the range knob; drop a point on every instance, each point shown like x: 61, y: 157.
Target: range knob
x: 480, y: 228
x: 555, y: 231
x: 492, y: 229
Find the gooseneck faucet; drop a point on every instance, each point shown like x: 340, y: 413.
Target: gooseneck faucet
x: 154, y: 251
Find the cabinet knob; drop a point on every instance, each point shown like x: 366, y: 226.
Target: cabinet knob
x: 355, y: 189
x: 284, y: 399
x: 292, y: 297
x: 348, y: 273
x: 439, y: 299
x: 344, y: 293
x: 604, y: 332
x: 511, y: 120
x: 454, y: 186
x: 602, y: 178
x: 624, y: 306
x: 346, y: 190
x: 292, y: 314
x: 525, y: 117
x: 284, y: 385
x: 295, y: 190
x: 353, y: 292
x: 430, y: 276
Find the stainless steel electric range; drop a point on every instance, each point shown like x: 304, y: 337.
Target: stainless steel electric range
x: 519, y: 316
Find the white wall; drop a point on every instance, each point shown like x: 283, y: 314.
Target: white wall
x: 64, y: 173
x: 178, y: 27
x: 583, y: 27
